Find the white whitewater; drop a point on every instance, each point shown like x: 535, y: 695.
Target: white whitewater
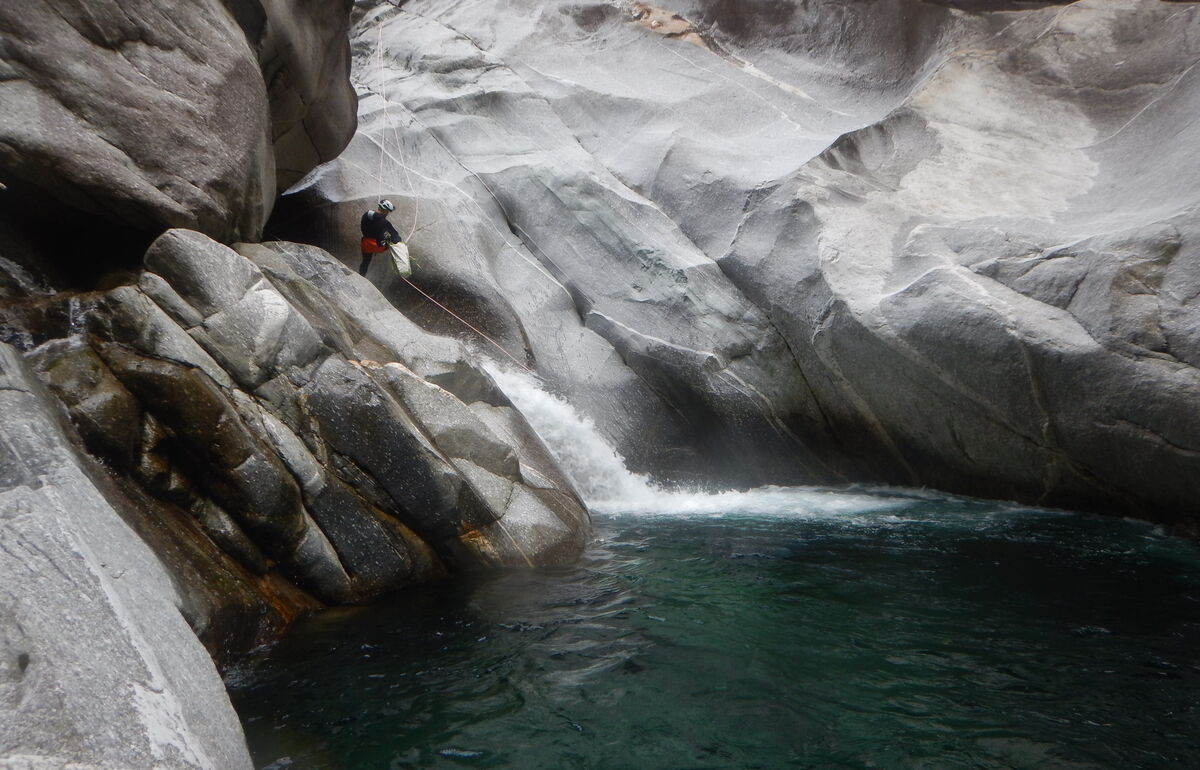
x: 607, y: 486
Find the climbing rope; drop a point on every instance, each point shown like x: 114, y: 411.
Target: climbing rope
x: 379, y: 74
x: 464, y: 322
x: 398, y: 140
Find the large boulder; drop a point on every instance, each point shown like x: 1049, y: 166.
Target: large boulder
x: 144, y: 117
x: 310, y: 431
x: 923, y: 243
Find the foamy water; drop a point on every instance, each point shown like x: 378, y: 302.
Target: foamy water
x: 607, y: 486
x: 835, y: 628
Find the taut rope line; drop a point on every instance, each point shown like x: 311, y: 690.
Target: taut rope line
x: 399, y: 140
x: 464, y: 322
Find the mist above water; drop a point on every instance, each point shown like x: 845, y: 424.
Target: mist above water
x: 606, y: 484
x: 776, y: 627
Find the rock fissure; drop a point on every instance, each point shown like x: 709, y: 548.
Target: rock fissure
x: 812, y: 396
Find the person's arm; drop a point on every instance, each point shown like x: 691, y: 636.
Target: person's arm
x: 393, y: 236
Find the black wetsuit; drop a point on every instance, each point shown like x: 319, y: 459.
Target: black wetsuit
x: 375, y: 226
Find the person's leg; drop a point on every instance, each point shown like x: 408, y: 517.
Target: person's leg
x: 366, y: 262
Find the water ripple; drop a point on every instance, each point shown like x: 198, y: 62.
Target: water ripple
x: 972, y: 635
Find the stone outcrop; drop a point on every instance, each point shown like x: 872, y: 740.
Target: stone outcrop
x: 947, y: 244
x: 98, y: 667
x: 146, y: 118
x: 307, y: 426
x: 224, y: 441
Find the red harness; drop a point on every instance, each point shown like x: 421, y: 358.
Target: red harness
x: 372, y: 246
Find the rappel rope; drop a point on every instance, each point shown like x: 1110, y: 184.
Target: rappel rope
x: 397, y: 138
x: 409, y: 173
x: 417, y: 206
x: 464, y: 322
x: 383, y: 97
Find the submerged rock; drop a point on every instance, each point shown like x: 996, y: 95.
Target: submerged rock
x: 945, y: 244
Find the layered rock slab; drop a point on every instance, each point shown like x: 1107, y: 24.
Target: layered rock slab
x: 319, y: 450
x: 281, y: 438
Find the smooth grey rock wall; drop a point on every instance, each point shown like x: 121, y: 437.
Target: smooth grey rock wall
x: 946, y: 244
x: 152, y: 120
x: 98, y: 667
x: 304, y: 56
x: 149, y: 115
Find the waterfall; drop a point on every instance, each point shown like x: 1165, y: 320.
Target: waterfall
x: 596, y: 469
x: 606, y: 484
x: 76, y: 318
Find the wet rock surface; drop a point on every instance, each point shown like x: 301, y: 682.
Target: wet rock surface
x: 945, y: 244
x: 271, y: 434
x: 322, y: 449
x: 941, y: 243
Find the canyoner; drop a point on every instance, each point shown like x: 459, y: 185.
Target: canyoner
x: 378, y: 235
x: 699, y: 413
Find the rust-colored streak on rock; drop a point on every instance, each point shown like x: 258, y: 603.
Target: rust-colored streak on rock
x: 668, y: 24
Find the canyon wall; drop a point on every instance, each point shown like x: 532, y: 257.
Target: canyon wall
x: 944, y: 244
x: 204, y: 437
x: 947, y: 244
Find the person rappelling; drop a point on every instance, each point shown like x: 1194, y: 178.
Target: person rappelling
x: 378, y: 235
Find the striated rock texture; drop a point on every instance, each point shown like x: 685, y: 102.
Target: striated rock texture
x: 263, y: 434
x: 309, y: 429
x: 147, y: 115
x: 949, y: 244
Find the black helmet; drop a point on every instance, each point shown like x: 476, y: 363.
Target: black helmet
x: 386, y: 205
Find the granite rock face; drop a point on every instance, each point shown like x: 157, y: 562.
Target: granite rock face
x: 224, y: 441
x: 337, y: 438
x: 303, y: 54
x: 189, y: 115
x: 948, y: 244
x: 98, y: 667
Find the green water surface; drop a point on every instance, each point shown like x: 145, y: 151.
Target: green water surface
x: 893, y: 632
